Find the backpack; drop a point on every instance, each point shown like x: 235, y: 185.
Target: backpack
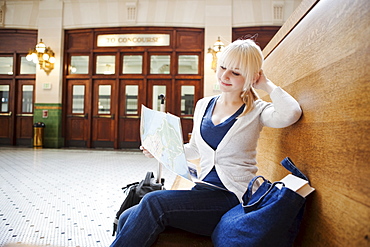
x: 135, y: 192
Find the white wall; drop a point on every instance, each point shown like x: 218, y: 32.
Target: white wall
x: 217, y: 17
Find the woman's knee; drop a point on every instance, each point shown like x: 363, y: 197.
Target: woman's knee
x: 155, y: 203
x: 154, y: 197
x: 123, y: 217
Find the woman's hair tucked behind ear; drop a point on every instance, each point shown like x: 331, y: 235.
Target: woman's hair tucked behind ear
x: 246, y: 56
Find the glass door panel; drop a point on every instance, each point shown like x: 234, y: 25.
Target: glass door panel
x: 131, y: 99
x: 4, y: 96
x: 158, y: 92
x: 78, y: 99
x: 27, y: 98
x: 104, y: 103
x: 187, y: 100
x: 160, y: 96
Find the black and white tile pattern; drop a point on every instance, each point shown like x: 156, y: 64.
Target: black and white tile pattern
x: 65, y: 197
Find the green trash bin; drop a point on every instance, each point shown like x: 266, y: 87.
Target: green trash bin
x: 38, y: 135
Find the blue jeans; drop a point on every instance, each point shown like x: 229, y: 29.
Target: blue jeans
x: 197, y: 211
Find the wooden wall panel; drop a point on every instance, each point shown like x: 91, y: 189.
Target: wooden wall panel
x: 188, y: 39
x: 78, y: 41
x: 324, y: 63
x: 264, y: 34
x: 17, y: 40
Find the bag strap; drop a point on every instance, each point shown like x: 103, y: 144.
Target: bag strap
x: 128, y: 187
x: 248, y: 195
x: 289, y: 165
x: 148, y: 177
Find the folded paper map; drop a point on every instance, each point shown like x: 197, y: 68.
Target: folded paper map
x: 161, y: 135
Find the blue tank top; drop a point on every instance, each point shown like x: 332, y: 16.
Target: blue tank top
x: 213, y: 135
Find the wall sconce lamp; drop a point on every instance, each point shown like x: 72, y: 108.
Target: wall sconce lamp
x: 42, y: 55
x: 217, y: 47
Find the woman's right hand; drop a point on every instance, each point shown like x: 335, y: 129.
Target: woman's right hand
x: 263, y: 83
x: 146, y: 152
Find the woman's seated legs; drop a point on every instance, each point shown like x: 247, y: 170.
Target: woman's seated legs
x: 197, y: 211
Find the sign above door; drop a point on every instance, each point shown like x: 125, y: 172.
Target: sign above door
x: 109, y: 40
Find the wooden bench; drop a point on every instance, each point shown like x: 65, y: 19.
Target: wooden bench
x: 321, y: 57
x: 173, y: 237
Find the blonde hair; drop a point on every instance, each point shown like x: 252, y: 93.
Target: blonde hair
x: 247, y: 57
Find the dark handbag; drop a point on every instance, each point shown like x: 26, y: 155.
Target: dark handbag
x: 269, y: 217
x: 135, y: 192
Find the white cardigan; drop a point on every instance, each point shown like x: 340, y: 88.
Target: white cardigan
x: 235, y: 156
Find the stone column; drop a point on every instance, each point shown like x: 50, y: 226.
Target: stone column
x: 48, y: 99
x: 218, y: 23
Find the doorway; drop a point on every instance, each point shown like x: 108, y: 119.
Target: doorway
x: 17, y: 86
x: 106, y: 86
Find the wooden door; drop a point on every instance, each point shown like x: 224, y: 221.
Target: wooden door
x: 134, y: 75
x: 24, y: 112
x: 187, y: 93
x: 132, y: 95
x: 78, y: 114
x: 6, y: 112
x: 104, y: 105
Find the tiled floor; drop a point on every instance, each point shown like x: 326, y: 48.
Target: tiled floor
x: 65, y: 197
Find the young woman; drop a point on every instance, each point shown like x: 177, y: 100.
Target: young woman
x: 225, y: 133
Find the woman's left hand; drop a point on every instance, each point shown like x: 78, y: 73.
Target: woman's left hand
x: 146, y: 152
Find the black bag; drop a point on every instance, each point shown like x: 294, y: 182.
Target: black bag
x: 136, y: 191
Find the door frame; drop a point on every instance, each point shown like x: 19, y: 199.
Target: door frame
x: 24, y: 120
x: 9, y: 134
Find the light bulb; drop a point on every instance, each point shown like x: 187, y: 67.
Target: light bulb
x: 29, y: 57
x: 40, y: 47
